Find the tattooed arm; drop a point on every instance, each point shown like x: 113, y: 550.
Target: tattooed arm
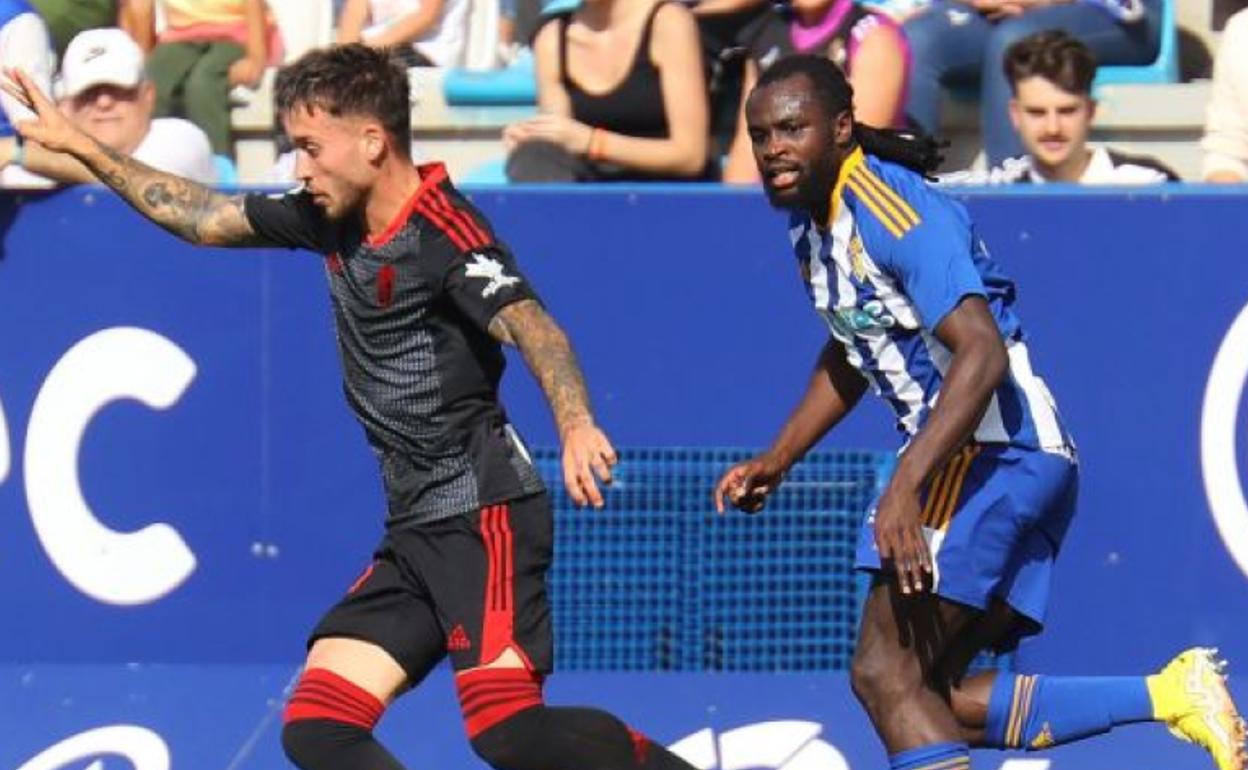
x: 189, y: 210
x: 586, y: 450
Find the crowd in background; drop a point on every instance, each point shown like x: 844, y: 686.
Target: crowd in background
x: 630, y: 89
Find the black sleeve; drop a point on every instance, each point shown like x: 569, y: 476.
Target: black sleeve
x: 479, y: 281
x: 289, y: 219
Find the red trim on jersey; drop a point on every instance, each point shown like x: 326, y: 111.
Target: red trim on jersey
x: 322, y: 694
x: 461, y: 217
x: 488, y: 696
x: 425, y: 208
x: 385, y: 285
x: 431, y: 175
x: 498, y: 625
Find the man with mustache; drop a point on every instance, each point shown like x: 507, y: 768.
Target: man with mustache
x: 962, y: 542
x: 1050, y: 75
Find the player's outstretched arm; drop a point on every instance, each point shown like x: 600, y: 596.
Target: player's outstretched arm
x: 979, y: 364
x: 834, y: 389
x: 587, y: 453
x: 187, y: 209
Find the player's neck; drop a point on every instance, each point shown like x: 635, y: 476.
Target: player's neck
x: 1070, y: 170
x: 395, y: 185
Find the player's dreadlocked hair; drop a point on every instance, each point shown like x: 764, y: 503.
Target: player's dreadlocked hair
x: 351, y: 79
x: 912, y: 149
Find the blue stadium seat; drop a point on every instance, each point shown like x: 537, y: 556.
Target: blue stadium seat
x: 516, y: 84
x: 492, y: 172
x: 1163, y: 69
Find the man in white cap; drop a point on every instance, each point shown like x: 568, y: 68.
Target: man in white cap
x: 106, y: 92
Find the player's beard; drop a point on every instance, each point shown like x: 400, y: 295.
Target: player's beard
x: 815, y: 185
x: 345, y: 203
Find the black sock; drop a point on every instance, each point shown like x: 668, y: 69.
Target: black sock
x: 326, y: 744
x: 545, y: 738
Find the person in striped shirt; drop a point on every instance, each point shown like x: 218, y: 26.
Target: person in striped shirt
x: 962, y: 542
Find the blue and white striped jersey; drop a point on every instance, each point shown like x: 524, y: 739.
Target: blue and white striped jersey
x: 898, y: 256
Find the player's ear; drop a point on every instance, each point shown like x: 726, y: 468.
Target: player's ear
x: 374, y: 141
x: 843, y: 128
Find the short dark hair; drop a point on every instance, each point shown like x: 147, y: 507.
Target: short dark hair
x: 1055, y: 56
x: 912, y: 149
x: 351, y: 79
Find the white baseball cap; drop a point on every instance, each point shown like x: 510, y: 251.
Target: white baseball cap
x: 97, y: 56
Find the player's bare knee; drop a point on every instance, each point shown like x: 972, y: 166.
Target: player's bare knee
x: 880, y: 679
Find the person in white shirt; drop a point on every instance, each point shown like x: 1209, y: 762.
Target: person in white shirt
x: 107, y: 93
x: 1226, y: 125
x: 1051, y: 76
x: 433, y: 32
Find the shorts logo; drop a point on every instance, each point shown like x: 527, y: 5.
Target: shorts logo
x: 457, y: 640
x: 491, y: 270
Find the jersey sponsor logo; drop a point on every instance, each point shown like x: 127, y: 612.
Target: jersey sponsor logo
x: 857, y: 261
x: 1218, y: 432
x: 121, y: 568
x: 492, y: 271
x: 871, y: 316
x: 139, y: 747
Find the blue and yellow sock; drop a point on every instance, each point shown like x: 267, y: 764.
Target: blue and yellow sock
x: 937, y: 756
x: 1035, y: 712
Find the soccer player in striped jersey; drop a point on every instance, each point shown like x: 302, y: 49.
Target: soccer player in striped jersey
x: 962, y: 542
x: 424, y: 294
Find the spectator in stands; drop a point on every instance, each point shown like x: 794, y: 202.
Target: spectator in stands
x: 1050, y: 74
x: 868, y: 46
x: 206, y: 48
x: 1226, y: 125
x: 66, y: 18
x: 109, y: 97
x: 622, y: 94
x: 25, y: 43
x: 429, y: 33
x: 960, y: 44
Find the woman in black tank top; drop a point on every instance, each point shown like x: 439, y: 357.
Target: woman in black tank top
x: 622, y: 94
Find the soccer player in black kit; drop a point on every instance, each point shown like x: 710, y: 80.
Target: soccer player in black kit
x: 423, y: 295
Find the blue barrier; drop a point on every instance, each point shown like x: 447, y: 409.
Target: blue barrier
x: 691, y: 325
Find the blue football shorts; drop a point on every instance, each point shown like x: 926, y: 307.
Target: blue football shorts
x: 994, y: 518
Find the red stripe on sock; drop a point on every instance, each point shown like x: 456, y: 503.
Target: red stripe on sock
x: 322, y: 694
x: 488, y: 696
x: 641, y: 746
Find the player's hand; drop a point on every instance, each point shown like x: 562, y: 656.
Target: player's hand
x: 49, y: 127
x: 899, y: 538
x: 569, y: 134
x: 587, y: 461
x: 747, y: 484
x: 246, y: 72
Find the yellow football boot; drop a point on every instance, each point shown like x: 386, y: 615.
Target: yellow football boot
x: 1190, y: 696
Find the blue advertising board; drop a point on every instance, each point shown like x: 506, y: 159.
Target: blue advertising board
x: 183, y: 491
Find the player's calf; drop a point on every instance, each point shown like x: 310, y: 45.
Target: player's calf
x: 512, y: 729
